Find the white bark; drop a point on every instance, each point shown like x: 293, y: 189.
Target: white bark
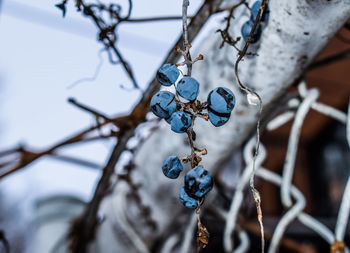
x: 295, y: 34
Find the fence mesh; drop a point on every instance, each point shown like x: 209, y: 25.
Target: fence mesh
x: 292, y: 199
x: 288, y: 191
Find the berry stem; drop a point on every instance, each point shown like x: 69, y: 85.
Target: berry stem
x: 194, y: 108
x: 190, y: 139
x: 185, y: 5
x: 187, y: 45
x: 202, y: 232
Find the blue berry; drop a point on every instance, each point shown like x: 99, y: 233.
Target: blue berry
x: 180, y: 121
x: 188, y: 88
x: 168, y: 120
x: 168, y: 74
x: 218, y: 120
x: 198, y: 182
x: 247, y: 27
x: 221, y: 100
x: 172, y: 167
x: 255, y: 10
x: 163, y: 104
x: 186, y: 200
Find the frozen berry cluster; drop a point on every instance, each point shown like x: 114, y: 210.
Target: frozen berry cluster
x: 181, y: 115
x: 247, y: 26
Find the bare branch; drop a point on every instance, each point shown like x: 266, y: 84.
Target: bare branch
x: 75, y: 160
x: 107, y: 33
x: 28, y: 157
x: 331, y: 59
x: 343, y: 38
x: 226, y: 37
x: 4, y: 241
x: 84, y: 227
x: 154, y: 19
x: 83, y: 230
x: 185, y: 5
x: 89, y: 109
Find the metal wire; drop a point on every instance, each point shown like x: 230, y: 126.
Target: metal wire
x: 295, y: 210
x: 245, y: 243
x: 120, y: 212
x: 170, y: 243
x: 288, y: 191
x: 288, y: 168
x: 239, y: 194
x: 188, y: 236
x: 344, y: 210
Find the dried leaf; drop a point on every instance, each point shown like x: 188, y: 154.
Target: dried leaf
x: 202, y: 236
x: 338, y: 247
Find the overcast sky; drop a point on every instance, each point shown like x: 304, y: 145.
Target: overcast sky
x: 41, y: 55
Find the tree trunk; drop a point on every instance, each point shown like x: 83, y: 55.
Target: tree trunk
x: 296, y: 32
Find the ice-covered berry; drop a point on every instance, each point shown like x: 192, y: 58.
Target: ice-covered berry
x: 218, y: 119
x: 221, y: 100
x: 168, y: 74
x: 198, y: 182
x: 255, y: 10
x: 247, y: 27
x: 186, y: 200
x: 172, y: 167
x: 188, y: 88
x: 180, y: 121
x: 163, y: 104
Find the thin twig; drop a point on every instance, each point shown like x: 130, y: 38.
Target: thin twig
x: 347, y: 26
x: 185, y: 5
x: 343, y: 38
x: 84, y: 228
x: 202, y: 232
x: 89, y: 109
x: 138, y: 114
x: 226, y: 37
x: 95, y: 75
x: 153, y: 19
x: 28, y: 157
x: 75, y: 160
x: 331, y: 59
x: 169, y: 18
x: 286, y: 242
x: 4, y: 241
x: 10, y: 151
x: 255, y: 95
x: 104, y: 31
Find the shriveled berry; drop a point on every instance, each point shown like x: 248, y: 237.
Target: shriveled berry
x: 247, y: 27
x: 221, y: 100
x: 180, y: 121
x: 218, y: 120
x: 198, y: 182
x: 188, y: 88
x: 172, y: 167
x: 168, y: 74
x: 163, y: 104
x: 186, y: 200
x: 168, y: 120
x: 255, y: 10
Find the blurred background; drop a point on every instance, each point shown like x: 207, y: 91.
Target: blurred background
x: 46, y: 59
